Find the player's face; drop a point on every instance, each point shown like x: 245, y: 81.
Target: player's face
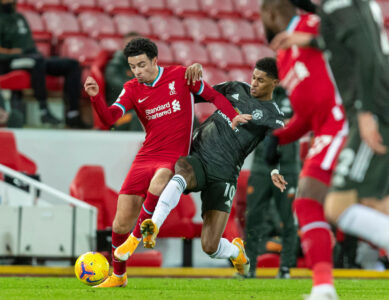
x: 262, y: 86
x: 144, y: 69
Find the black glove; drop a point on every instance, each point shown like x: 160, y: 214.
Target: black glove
x: 272, y: 155
x: 306, y: 5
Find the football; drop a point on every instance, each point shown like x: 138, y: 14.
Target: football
x: 91, y: 268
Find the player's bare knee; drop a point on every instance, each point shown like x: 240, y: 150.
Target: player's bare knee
x: 209, y: 247
x: 120, y: 225
x: 159, y: 181
x: 185, y: 169
x: 336, y: 203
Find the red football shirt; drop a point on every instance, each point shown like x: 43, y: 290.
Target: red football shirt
x: 165, y: 108
x: 306, y: 76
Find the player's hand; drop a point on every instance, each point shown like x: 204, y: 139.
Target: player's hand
x: 272, y: 156
x: 194, y: 73
x: 279, y: 181
x: 91, y: 86
x: 240, y: 119
x: 368, y: 129
x: 285, y: 40
x: 4, y: 115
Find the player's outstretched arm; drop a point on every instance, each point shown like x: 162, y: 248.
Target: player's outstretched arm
x: 108, y: 115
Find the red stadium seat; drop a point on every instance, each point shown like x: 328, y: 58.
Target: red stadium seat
x: 237, y: 31
x: 126, y: 23
x: 10, y: 157
x: 218, y: 8
x: 116, y: 6
x: 240, y: 75
x: 96, y: 24
x: 37, y: 26
x: 45, y: 5
x: 81, y: 48
x: 61, y: 24
x: 248, y: 9
x: 167, y: 28
x: 233, y: 228
x: 89, y: 185
x: 15, y: 80
x: 151, y: 258
x: 165, y: 55
x: 179, y: 223
x: 111, y: 44
x: 203, y: 30
x: 225, y: 55
x: 151, y: 7
x: 253, y: 52
x: 259, y: 31
x: 214, y: 76
x: 187, y: 53
x: 185, y: 8
x: 44, y: 48
x: 204, y: 110
x: 78, y: 6
x: 268, y: 260
x: 241, y: 197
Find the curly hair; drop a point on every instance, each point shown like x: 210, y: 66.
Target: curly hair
x: 140, y: 46
x: 269, y: 66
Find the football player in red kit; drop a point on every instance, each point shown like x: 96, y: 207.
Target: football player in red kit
x: 318, y: 108
x: 164, y: 103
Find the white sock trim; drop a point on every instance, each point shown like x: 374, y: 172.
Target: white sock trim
x: 315, y: 225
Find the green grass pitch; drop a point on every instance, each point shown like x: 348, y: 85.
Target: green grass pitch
x: 172, y: 288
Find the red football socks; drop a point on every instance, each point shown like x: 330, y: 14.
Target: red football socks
x: 145, y: 213
x: 119, y: 267
x: 316, y: 239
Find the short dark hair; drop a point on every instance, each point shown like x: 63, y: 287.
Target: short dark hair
x: 140, y: 46
x: 269, y: 66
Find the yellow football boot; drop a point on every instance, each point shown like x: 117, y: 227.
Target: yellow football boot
x: 125, y: 250
x: 149, y: 232
x: 113, y: 281
x: 241, y: 262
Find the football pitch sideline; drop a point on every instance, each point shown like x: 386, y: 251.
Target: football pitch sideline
x: 32, y: 288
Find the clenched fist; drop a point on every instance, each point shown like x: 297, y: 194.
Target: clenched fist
x: 91, y: 87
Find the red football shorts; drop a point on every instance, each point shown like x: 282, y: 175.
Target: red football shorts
x: 142, y: 171
x: 329, y: 140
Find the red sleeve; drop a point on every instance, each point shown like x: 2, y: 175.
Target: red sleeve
x: 295, y: 129
x: 203, y: 89
x: 109, y: 115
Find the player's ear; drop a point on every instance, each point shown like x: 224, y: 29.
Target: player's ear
x: 276, y: 82
x: 154, y: 61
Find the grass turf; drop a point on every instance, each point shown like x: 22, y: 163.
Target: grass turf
x: 173, y: 288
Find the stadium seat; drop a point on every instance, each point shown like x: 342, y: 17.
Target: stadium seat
x: 83, y: 49
x: 151, y: 258
x: 214, y: 75
x: 240, y: 75
x: 79, y: 6
x: 203, y: 30
x: 248, y: 9
x: 45, y: 5
x: 268, y: 260
x: 10, y: 157
x: 225, y: 55
x: 187, y: 53
x: 165, y: 55
x: 37, y: 26
x: 61, y: 24
x: 89, y: 186
x: 167, y: 28
x: 185, y: 9
x: 180, y: 223
x: 237, y: 31
x: 44, y: 48
x: 204, y: 110
x: 116, y: 6
x: 241, y: 198
x: 259, y: 31
x: 111, y: 44
x: 126, y: 23
x: 97, y: 24
x: 233, y: 228
x: 218, y: 8
x: 253, y: 52
x: 151, y: 7
x: 15, y: 80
